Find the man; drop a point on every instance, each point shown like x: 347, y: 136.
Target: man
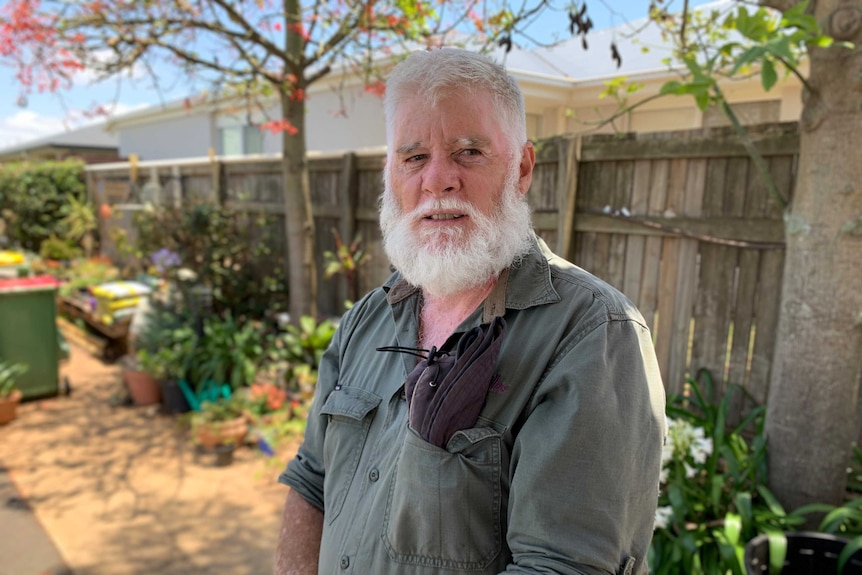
x: 558, y: 469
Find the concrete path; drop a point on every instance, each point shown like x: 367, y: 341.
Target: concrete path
x: 118, y: 490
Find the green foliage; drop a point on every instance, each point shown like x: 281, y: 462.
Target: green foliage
x: 222, y: 409
x: 346, y: 260
x: 9, y: 374
x: 79, y: 220
x: 714, y: 497
x: 306, y: 343
x: 229, y: 351
x: 33, y: 198
x: 228, y: 250
x: 299, y: 350
x: 54, y: 248
x: 82, y: 273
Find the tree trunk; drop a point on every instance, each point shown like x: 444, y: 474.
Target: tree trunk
x: 298, y: 217
x: 812, y: 414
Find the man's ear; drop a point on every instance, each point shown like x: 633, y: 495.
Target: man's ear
x: 528, y: 160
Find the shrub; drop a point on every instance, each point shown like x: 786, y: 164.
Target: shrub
x: 713, y: 497
x: 228, y: 250
x: 34, y: 199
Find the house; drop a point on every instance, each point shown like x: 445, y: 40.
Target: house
x: 92, y: 144
x: 563, y: 88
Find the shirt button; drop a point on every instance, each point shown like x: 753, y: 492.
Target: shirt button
x: 345, y: 562
x: 374, y: 475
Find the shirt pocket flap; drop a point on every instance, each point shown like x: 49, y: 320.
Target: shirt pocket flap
x: 350, y: 402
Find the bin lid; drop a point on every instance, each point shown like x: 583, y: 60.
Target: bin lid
x: 35, y: 283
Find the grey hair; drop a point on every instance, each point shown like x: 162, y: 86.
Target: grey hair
x: 438, y: 73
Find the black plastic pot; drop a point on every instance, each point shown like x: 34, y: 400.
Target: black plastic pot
x: 808, y: 553
x: 173, y: 399
x: 223, y: 455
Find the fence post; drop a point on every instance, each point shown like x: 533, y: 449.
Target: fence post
x: 569, y: 152
x: 347, y: 217
x: 177, y: 187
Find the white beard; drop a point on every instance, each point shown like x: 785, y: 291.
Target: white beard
x: 448, y: 261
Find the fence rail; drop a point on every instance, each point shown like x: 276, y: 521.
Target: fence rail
x: 681, y: 222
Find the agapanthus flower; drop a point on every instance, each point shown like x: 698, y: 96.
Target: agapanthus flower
x: 165, y: 259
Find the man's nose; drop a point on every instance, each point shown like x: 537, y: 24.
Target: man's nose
x: 441, y: 176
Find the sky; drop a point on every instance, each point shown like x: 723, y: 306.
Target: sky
x: 50, y: 113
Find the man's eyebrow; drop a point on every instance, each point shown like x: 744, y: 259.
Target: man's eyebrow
x: 408, y: 148
x: 470, y: 142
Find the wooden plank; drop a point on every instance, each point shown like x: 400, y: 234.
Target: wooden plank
x: 755, y: 231
x: 713, y: 199
x: 687, y: 285
x: 567, y: 194
x: 647, y: 300
x: 766, y: 323
x: 346, y: 219
x: 635, y: 242
x: 586, y: 242
x: 621, y: 199
x: 671, y: 279
x: 736, y: 185
x: 641, y: 147
x: 743, y: 321
x: 664, y: 313
x: 601, y: 197
x: 712, y: 311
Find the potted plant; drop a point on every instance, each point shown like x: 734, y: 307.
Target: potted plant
x: 165, y: 345
x: 219, y: 422
x: 10, y: 395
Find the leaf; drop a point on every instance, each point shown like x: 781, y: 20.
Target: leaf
x: 746, y: 58
x: 733, y: 528
x: 777, y: 551
x: 771, y: 501
x: 852, y: 547
x: 768, y: 76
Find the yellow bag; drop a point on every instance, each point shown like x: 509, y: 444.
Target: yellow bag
x: 10, y: 258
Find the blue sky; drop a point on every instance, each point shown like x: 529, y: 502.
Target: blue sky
x: 46, y: 114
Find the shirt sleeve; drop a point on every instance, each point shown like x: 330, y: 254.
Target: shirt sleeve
x: 305, y: 473
x: 585, y: 465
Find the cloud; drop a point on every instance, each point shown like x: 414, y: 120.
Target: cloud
x: 27, y: 125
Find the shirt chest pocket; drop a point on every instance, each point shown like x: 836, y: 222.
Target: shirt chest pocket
x: 349, y: 411
x: 443, y: 507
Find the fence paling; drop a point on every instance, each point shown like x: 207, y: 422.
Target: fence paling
x: 709, y: 304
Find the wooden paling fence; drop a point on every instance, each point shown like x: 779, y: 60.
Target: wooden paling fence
x: 681, y: 222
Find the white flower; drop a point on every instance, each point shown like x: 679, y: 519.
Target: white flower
x: 701, y: 449
x: 665, y: 472
x: 186, y: 275
x: 666, y: 453
x: 663, y: 516
x: 689, y: 471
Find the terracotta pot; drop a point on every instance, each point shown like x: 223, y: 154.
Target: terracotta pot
x: 144, y: 389
x: 9, y: 406
x: 232, y: 431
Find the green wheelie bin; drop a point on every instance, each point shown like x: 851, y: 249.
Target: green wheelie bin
x: 29, y: 333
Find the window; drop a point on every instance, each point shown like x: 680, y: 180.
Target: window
x: 240, y: 140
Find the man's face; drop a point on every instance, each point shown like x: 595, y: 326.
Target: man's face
x: 454, y: 193
x: 455, y: 150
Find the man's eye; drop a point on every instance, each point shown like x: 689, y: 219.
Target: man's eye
x: 416, y: 158
x: 470, y: 152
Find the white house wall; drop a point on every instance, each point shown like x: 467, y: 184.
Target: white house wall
x: 179, y: 136
x: 348, y: 121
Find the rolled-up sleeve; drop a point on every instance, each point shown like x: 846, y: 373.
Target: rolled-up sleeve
x: 585, y: 465
x: 305, y: 472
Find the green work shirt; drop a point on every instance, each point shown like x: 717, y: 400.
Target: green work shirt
x: 560, y: 473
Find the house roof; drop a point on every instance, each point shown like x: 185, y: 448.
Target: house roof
x: 90, y: 138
